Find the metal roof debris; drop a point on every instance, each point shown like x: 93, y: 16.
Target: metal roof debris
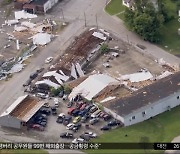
x: 41, y: 38
x: 24, y: 15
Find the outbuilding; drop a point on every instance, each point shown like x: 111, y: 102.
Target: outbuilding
x: 20, y: 112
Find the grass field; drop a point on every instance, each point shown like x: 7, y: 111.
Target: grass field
x: 115, y: 7
x: 162, y: 128
x: 169, y: 32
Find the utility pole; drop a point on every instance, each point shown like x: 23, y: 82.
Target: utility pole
x: 85, y: 19
x: 128, y: 39
x: 62, y: 13
x: 96, y: 21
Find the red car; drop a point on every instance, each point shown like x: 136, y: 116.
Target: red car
x: 71, y: 110
x: 79, y: 104
x: 82, y: 107
x: 37, y: 127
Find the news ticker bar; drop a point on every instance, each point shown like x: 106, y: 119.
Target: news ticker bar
x: 87, y: 146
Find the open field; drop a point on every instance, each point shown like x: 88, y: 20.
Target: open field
x: 162, y: 128
x: 169, y: 32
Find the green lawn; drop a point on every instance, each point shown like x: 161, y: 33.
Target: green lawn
x: 162, y: 128
x: 169, y: 32
x: 115, y: 7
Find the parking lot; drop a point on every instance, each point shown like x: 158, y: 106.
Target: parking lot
x: 53, y: 129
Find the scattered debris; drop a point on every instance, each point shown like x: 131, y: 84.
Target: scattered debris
x: 11, y: 22
x: 20, y: 29
x: 16, y: 68
x: 24, y: 15
x: 115, y: 54
x: 41, y: 39
x: 106, y: 65
x: 163, y: 75
x: 137, y: 77
x: 28, y: 24
x: 108, y: 99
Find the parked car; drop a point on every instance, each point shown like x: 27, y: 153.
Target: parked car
x: 69, y: 104
x: 39, y: 70
x: 65, y: 97
x: 33, y: 76
x: 59, y: 120
x: 78, y: 140
x: 88, y: 107
x: 84, y: 118
x: 37, y: 127
x: 105, y: 128
x: 93, y: 109
x: 85, y: 137
x: 83, y: 107
x: 94, y: 121
x: 45, y: 111
x: 75, y: 112
x: 67, y: 119
x: 83, y: 112
x: 91, y: 134
x: 62, y: 115
x: 79, y: 104
x: 101, y: 115
x: 66, y: 135
x: 48, y: 60
x: 114, y: 123
x: 61, y: 93
x: 27, y: 83
x: 76, y: 119
x: 42, y: 95
x: 42, y: 123
x: 54, y: 110
x: 71, y: 110
x: 76, y: 127
x: 46, y: 105
x: 56, y: 102
x: 70, y: 126
x: 107, y: 117
x: 95, y: 113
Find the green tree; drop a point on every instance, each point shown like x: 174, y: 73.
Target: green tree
x: 145, y: 20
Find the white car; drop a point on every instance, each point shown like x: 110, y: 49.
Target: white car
x: 56, y: 102
x: 78, y: 140
x: 70, y: 126
x: 62, y: 115
x: 91, y: 134
x: 48, y: 60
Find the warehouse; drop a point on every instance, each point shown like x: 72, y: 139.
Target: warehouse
x: 20, y: 112
x: 161, y: 96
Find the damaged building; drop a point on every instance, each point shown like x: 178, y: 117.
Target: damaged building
x: 161, y: 96
x: 35, y: 6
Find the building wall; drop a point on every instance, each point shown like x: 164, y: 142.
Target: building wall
x: 153, y: 109
x: 10, y: 121
x: 49, y: 4
x: 115, y: 115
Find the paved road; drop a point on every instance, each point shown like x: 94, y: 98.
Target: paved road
x: 75, y: 12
